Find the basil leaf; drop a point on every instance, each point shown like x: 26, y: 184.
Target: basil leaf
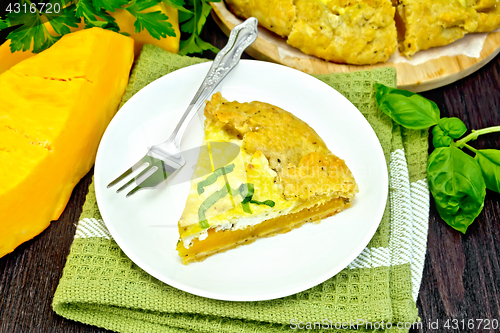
x: 246, y: 191
x: 453, y: 127
x: 489, y: 161
x: 269, y: 203
x: 439, y: 138
x: 406, y: 108
x: 213, y: 177
x: 246, y: 207
x: 457, y: 184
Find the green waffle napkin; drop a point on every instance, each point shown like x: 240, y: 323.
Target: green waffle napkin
x: 101, y: 286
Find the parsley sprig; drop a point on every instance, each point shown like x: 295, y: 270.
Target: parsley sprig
x: 31, y: 30
x: 156, y: 23
x: 191, y: 23
x: 3, y: 24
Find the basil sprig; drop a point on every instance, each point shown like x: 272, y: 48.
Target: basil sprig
x: 448, y: 129
x: 457, y: 181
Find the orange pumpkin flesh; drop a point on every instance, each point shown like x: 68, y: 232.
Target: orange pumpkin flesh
x: 54, y: 108
x: 8, y: 59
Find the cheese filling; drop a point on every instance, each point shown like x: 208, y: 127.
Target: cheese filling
x: 228, y: 213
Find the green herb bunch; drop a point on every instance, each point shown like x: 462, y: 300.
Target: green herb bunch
x: 457, y: 181
x: 30, y: 16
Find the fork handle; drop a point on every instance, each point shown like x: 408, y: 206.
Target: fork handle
x: 240, y: 38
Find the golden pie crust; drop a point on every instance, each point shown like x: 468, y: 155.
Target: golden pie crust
x: 285, y: 160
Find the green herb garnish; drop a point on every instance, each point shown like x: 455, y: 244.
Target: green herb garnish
x: 3, y: 24
x: 457, y: 181
x: 213, y: 177
x: 94, y: 13
x: 192, y: 22
x: 156, y: 23
x: 269, y: 203
x: 176, y: 4
x: 246, y: 191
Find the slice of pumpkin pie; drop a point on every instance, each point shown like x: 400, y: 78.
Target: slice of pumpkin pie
x: 284, y: 177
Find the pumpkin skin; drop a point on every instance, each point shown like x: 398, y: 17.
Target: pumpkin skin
x: 125, y: 21
x: 54, y: 108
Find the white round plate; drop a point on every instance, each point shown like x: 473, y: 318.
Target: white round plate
x: 145, y: 225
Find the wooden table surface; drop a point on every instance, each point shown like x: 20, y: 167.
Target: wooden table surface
x: 461, y: 278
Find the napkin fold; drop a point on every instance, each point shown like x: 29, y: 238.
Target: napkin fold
x: 101, y: 286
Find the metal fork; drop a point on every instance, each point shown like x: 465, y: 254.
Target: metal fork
x: 164, y: 159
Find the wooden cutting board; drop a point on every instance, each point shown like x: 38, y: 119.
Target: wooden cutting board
x: 437, y: 67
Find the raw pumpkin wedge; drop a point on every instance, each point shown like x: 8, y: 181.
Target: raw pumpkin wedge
x: 54, y: 108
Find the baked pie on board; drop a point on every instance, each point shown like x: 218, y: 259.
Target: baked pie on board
x: 429, y: 69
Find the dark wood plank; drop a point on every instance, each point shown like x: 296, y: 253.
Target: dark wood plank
x: 29, y: 275
x: 461, y: 277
